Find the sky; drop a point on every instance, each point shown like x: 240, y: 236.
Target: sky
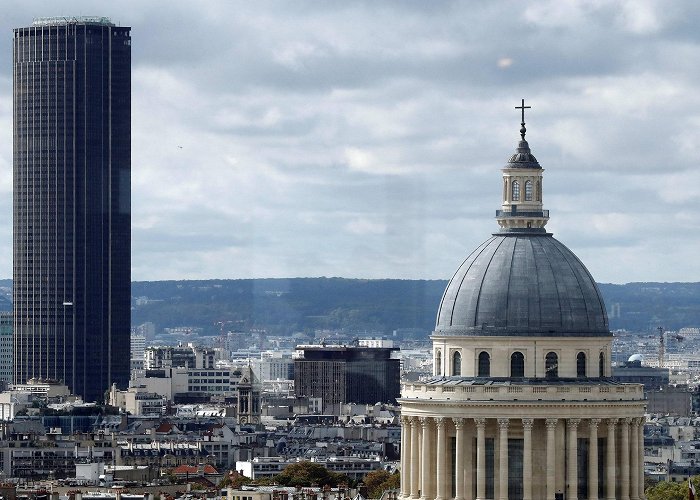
x: 365, y: 139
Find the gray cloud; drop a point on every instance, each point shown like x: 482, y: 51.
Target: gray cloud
x: 366, y: 140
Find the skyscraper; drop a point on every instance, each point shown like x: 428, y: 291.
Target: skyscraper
x: 72, y: 208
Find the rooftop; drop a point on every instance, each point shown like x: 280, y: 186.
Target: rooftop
x: 62, y: 20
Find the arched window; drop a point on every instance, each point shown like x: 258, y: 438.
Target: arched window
x: 528, y: 191
x: 538, y: 191
x: 456, y: 363
x: 505, y: 190
x: 517, y: 364
x: 601, y: 365
x: 515, y: 191
x: 438, y: 363
x: 484, y: 364
x: 581, y: 365
x: 551, y: 365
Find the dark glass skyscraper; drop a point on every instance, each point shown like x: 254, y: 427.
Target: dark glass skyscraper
x: 72, y: 208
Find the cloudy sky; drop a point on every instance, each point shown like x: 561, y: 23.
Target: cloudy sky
x: 365, y: 139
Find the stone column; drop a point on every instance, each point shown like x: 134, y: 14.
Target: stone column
x: 503, y: 458
x: 551, y: 424
x: 642, y: 421
x: 459, y: 458
x: 425, y: 459
x: 405, y: 437
x: 634, y: 462
x: 480, y: 458
x: 527, y: 458
x: 572, y: 479
x: 625, y: 459
x: 610, y: 466
x: 593, y: 458
x: 441, y: 472
x: 414, y: 458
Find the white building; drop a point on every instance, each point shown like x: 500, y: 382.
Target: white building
x: 521, y: 404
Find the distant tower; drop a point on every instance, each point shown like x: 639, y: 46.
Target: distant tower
x: 662, y: 349
x: 72, y: 220
x: 248, y: 398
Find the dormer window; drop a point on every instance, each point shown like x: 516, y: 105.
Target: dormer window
x: 515, y: 191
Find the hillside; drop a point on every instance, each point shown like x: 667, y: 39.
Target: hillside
x: 302, y: 304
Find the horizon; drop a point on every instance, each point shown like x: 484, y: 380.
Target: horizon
x: 366, y: 140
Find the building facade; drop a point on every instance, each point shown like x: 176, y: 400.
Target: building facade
x: 72, y: 221
x: 5, y: 348
x: 344, y: 374
x: 521, y: 404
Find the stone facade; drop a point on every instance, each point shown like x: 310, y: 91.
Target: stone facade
x: 522, y: 404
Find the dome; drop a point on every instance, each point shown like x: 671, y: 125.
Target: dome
x: 522, y: 284
x: 635, y: 357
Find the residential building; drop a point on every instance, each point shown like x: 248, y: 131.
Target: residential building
x: 72, y: 209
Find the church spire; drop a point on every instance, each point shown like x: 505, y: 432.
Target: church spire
x: 521, y: 207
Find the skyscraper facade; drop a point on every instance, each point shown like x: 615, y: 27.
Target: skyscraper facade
x: 72, y: 207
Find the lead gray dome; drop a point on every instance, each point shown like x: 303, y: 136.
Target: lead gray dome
x: 525, y: 284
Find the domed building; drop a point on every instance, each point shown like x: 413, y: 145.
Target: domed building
x: 521, y: 404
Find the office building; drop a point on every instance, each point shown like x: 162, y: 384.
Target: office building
x: 522, y: 404
x: 72, y: 175
x: 5, y: 348
x: 338, y: 374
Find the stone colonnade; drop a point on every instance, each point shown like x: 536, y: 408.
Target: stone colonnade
x: 435, y: 449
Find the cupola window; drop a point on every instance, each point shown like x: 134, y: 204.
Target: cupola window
x: 456, y: 364
x: 538, y: 191
x: 517, y: 365
x: 515, y: 191
x: 601, y: 365
x: 551, y: 365
x: 528, y: 190
x: 438, y: 363
x: 484, y: 365
x: 581, y: 365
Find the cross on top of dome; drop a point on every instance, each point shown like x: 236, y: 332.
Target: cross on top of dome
x: 522, y: 109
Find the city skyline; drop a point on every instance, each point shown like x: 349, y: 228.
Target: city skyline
x: 363, y: 141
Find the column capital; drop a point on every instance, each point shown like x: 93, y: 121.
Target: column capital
x: 551, y: 423
x: 503, y: 423
x: 405, y: 419
x: 480, y: 422
x: 593, y: 422
x: 527, y: 423
x: 440, y: 422
x: 458, y: 422
x: 626, y: 421
x: 425, y: 421
x: 572, y: 423
x: 415, y: 422
x: 611, y: 422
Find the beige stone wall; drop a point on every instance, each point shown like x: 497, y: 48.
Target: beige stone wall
x: 534, y: 349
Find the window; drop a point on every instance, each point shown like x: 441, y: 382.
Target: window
x: 484, y: 365
x: 538, y: 192
x: 551, y: 365
x: 601, y: 365
x: 438, y: 363
x: 516, y: 191
x: 581, y: 365
x: 517, y: 364
x: 528, y: 191
x: 456, y: 364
